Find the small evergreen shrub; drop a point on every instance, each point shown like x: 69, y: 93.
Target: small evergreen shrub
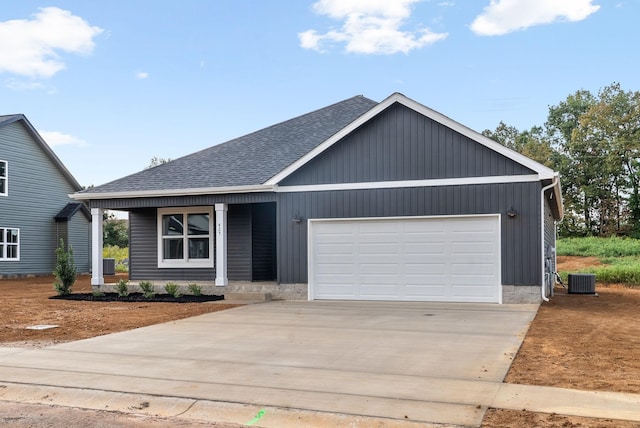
x: 172, y: 289
x: 147, y: 289
x: 122, y: 288
x: 97, y: 293
x: 195, y: 289
x: 65, y: 271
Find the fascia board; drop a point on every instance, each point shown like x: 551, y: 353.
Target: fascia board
x: 87, y: 196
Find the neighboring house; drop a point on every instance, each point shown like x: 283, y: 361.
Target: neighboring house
x: 35, y: 208
x: 359, y: 200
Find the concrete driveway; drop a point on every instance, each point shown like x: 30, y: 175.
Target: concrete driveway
x: 421, y: 362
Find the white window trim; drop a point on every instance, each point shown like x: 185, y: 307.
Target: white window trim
x: 5, y: 178
x: 4, y: 245
x: 185, y: 262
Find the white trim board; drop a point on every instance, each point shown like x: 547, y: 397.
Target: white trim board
x: 463, y: 181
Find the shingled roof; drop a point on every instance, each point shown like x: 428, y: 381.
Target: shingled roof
x: 250, y: 160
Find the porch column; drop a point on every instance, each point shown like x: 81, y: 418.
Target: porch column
x: 221, y: 245
x: 97, y: 279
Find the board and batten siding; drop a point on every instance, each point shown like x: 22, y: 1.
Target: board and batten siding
x: 520, y: 235
x: 402, y: 144
x: 37, y: 192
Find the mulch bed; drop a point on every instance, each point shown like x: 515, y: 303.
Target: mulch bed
x: 138, y: 297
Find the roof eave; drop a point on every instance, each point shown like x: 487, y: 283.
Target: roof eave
x: 88, y: 196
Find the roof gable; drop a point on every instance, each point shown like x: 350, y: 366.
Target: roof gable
x: 401, y: 144
x: 13, y: 118
x: 70, y: 210
x: 542, y: 171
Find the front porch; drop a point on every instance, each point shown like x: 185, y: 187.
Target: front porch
x: 223, y: 248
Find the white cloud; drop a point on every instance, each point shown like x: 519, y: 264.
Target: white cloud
x: 505, y: 16
x: 55, y: 138
x: 31, y: 47
x: 142, y: 75
x: 369, y: 27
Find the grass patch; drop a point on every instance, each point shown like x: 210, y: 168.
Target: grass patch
x: 620, y: 258
x: 598, y: 247
x: 121, y: 256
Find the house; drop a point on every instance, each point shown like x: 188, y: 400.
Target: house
x: 359, y: 200
x: 35, y: 208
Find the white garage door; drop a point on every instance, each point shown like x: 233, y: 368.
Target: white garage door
x: 449, y: 259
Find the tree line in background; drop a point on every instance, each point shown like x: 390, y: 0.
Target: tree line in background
x: 593, y: 140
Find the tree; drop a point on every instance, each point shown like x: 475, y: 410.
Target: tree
x: 156, y: 161
x: 610, y: 132
x: 65, y: 271
x: 532, y: 143
x: 599, y: 138
x: 115, y: 231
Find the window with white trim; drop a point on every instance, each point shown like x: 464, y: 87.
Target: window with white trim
x: 9, y: 244
x: 4, y: 178
x: 185, y: 237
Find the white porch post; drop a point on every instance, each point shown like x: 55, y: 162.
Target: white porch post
x: 221, y: 245
x: 97, y: 279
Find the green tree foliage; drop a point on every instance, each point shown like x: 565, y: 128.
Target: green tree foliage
x: 65, y: 271
x: 594, y: 141
x: 155, y: 161
x: 115, y: 231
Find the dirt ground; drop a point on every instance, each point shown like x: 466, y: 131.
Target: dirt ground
x: 576, y: 341
x: 25, y: 302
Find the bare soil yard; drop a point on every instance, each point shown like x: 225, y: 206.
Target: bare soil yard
x: 576, y: 341
x: 25, y: 302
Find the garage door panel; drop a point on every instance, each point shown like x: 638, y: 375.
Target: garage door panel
x: 438, y: 259
x: 335, y: 269
x: 378, y: 269
x: 424, y: 248
x: 472, y: 291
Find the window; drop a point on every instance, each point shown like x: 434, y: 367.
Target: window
x: 9, y: 244
x: 185, y: 237
x: 4, y: 179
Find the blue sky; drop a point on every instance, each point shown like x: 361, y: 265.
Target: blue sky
x: 111, y: 84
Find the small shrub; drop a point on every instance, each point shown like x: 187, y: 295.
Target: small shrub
x: 65, y: 270
x: 195, y: 289
x: 97, y: 293
x: 147, y: 289
x: 122, y: 288
x: 172, y: 289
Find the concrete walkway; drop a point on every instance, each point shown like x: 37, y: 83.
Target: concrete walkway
x: 306, y: 364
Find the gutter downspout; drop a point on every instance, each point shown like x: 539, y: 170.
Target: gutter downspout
x: 542, y: 202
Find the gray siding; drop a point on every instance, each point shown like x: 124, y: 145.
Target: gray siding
x: 401, y: 144
x: 520, y: 235
x: 143, y: 253
x: 143, y: 248
x: 76, y: 232
x: 37, y: 192
x: 78, y: 236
